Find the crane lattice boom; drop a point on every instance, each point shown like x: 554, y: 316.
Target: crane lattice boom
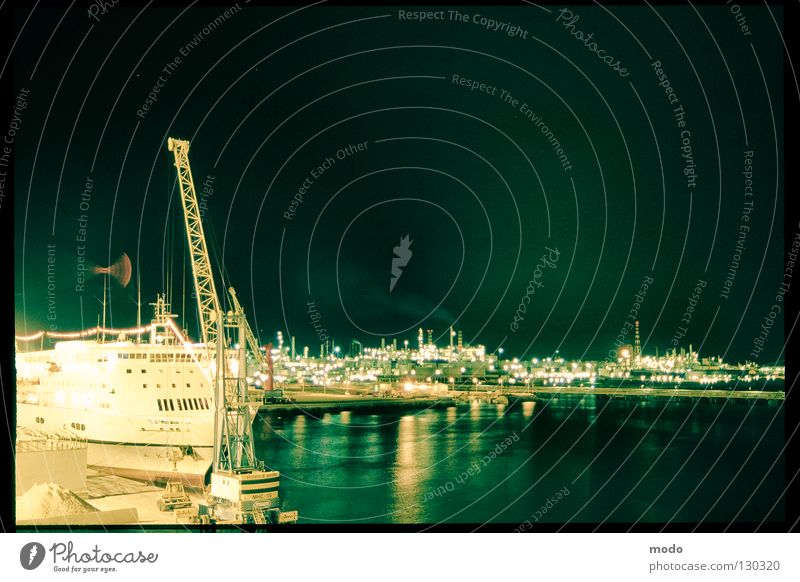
x: 207, y: 300
x: 251, y: 338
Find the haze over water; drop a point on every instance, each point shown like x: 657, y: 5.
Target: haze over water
x: 595, y: 459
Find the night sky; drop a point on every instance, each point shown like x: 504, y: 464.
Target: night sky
x: 268, y: 94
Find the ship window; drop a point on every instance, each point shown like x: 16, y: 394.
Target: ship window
x: 206, y: 402
x: 179, y: 404
x: 173, y: 386
x: 189, y: 402
x: 158, y: 385
x: 171, y: 406
x: 196, y: 404
x: 188, y: 385
x: 83, y: 427
x: 144, y: 385
x: 129, y: 371
x: 159, y: 404
x: 144, y: 371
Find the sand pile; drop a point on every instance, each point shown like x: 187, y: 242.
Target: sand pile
x: 45, y: 500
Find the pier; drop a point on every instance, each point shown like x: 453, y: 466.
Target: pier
x: 676, y: 393
x: 358, y: 398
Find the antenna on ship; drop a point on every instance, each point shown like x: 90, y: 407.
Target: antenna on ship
x: 139, y: 302
x: 105, y: 290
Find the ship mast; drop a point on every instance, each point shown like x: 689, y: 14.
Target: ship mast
x: 138, y: 301
x: 105, y: 291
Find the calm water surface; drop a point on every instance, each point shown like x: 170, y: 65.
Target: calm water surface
x: 594, y: 459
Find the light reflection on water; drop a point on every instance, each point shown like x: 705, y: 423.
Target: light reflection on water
x: 617, y: 457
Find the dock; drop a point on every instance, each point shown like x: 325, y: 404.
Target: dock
x: 675, y: 393
x: 323, y: 402
x: 336, y: 401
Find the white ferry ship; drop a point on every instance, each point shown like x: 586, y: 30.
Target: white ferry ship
x: 142, y: 398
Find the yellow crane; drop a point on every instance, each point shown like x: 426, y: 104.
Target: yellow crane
x: 251, y: 338
x: 208, y: 304
x: 241, y: 489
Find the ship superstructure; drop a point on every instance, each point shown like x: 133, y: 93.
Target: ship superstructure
x: 142, y: 398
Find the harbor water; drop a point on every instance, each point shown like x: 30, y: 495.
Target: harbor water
x: 567, y: 460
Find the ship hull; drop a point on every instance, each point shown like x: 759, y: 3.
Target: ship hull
x: 146, y: 410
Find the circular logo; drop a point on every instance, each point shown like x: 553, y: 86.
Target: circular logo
x: 31, y: 555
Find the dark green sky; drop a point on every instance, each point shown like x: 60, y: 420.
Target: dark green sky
x: 475, y: 183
